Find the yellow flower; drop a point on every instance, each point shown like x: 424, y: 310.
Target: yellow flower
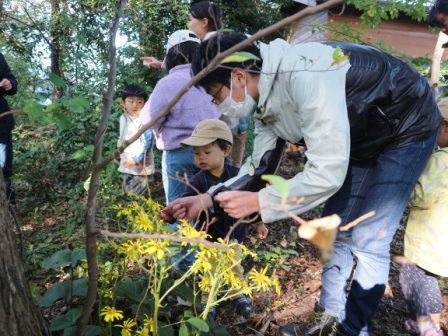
x: 143, y: 222
x: 245, y: 289
x: 260, y: 279
x: 149, y: 323
x: 132, y: 248
x: 110, y: 313
x: 143, y: 331
x: 205, y: 284
x: 157, y: 248
x: 202, y: 260
x: 127, y: 327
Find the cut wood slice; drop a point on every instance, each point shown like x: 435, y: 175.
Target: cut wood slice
x: 322, y: 233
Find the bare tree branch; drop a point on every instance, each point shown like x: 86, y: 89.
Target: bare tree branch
x: 91, y: 233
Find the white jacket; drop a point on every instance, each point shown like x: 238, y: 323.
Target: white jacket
x: 140, y: 150
x: 302, y: 96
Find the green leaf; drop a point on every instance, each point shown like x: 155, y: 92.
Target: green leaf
x: 33, y: 109
x: 65, y: 321
x: 58, y: 81
x: 164, y: 329
x: 198, y: 323
x: 75, y: 105
x: 64, y: 258
x: 337, y: 52
x: 186, y: 293
x: 183, y: 331
x: 62, y: 120
x: 239, y: 56
x: 54, y: 106
x: 63, y: 290
x: 278, y: 182
x: 79, y: 154
x: 340, y: 59
x: 35, y: 291
x: 44, y: 119
x: 67, y: 21
x: 18, y: 177
x: 77, y: 255
x: 81, y: 39
x: 91, y: 330
x: 59, y: 259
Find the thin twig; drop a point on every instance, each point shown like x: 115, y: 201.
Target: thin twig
x: 357, y: 221
x: 165, y: 236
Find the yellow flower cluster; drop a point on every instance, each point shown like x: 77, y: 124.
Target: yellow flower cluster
x: 216, y: 268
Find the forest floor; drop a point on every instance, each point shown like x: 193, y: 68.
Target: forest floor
x: 296, y: 262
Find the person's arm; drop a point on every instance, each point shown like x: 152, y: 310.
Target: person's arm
x: 433, y: 182
x: 7, y: 80
x: 151, y: 62
x: 145, y: 146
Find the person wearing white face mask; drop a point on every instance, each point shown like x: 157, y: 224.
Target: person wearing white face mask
x: 369, y: 122
x: 233, y: 109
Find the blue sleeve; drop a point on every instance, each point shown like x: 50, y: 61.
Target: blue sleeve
x: 147, y: 145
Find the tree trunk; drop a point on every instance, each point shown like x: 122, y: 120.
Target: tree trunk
x: 18, y: 313
x: 435, y: 67
x: 56, y: 34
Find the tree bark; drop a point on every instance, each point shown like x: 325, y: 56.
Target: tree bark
x: 435, y: 67
x: 18, y: 314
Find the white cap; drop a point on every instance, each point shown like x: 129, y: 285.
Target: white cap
x: 180, y: 36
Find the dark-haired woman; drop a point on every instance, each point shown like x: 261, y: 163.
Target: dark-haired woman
x: 180, y: 122
x: 205, y: 19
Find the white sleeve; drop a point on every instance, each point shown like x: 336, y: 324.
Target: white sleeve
x: 322, y: 111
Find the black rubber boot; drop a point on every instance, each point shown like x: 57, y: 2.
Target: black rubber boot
x: 321, y: 325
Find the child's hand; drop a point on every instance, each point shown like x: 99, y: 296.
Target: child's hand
x: 129, y: 163
x: 262, y: 230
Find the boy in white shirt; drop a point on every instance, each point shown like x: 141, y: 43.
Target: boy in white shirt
x: 137, y: 160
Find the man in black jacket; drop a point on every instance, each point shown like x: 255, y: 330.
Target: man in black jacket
x: 8, y: 86
x: 369, y: 122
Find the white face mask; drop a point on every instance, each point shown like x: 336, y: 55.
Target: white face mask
x: 232, y: 109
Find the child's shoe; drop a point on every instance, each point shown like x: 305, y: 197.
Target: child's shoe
x: 211, y: 312
x: 432, y: 332
x: 242, y: 306
x: 412, y: 327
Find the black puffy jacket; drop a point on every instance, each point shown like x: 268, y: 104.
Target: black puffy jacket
x: 6, y: 122
x: 389, y: 104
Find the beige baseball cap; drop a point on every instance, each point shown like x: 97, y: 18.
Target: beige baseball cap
x: 443, y: 107
x: 207, y: 131
x: 181, y: 36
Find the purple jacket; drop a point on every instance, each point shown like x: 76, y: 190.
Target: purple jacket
x: 192, y: 108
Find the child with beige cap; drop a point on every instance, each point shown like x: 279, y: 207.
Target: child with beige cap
x: 425, y: 239
x: 212, y: 142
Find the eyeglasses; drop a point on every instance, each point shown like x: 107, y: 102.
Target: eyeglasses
x: 216, y: 95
